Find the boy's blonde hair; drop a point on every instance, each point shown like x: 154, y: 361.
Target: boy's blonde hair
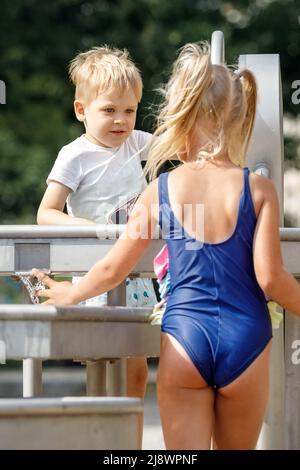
x: 221, y: 100
x: 102, y: 69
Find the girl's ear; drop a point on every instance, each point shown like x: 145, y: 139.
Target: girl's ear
x: 79, y: 110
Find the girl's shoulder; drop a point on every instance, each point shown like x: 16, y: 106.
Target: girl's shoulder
x: 261, y: 184
x: 262, y: 190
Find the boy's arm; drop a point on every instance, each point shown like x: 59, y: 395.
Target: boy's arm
x: 52, y: 205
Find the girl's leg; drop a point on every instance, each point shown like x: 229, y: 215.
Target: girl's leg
x: 186, y: 402
x: 137, y: 374
x: 240, y: 406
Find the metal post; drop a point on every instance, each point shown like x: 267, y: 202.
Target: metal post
x: 32, y: 369
x: 32, y: 378
x: 96, y: 378
x: 217, y: 48
x: 117, y: 378
x: 117, y: 370
x: 108, y: 379
x: 265, y: 157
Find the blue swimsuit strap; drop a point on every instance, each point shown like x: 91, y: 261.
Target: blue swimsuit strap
x: 164, y: 201
x: 247, y: 202
x: 162, y: 189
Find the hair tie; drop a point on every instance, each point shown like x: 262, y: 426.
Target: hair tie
x: 239, y: 73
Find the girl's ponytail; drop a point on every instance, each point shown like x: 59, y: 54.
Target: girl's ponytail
x: 250, y: 90
x: 207, y: 99
x: 184, y: 94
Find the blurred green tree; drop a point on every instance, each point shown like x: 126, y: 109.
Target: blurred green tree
x: 38, y: 39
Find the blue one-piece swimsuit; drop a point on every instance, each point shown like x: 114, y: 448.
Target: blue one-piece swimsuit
x: 216, y: 309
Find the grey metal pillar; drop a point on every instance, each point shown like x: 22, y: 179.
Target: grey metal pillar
x: 266, y: 145
x: 32, y: 370
x: 217, y: 48
x: 265, y: 157
x: 108, y: 377
x: 117, y: 370
x: 32, y: 378
x: 117, y: 378
x: 96, y: 384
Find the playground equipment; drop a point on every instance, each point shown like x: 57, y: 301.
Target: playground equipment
x: 96, y: 334
x: 101, y: 337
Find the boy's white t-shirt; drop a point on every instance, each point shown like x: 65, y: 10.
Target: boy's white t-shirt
x: 102, y: 180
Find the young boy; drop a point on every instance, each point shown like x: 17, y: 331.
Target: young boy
x: 99, y: 174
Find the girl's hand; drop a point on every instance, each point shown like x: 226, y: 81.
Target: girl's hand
x: 58, y: 293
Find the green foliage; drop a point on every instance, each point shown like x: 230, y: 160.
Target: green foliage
x: 10, y: 291
x: 38, y: 39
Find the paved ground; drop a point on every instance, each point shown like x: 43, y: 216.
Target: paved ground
x: 153, y: 438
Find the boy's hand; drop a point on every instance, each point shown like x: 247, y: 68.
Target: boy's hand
x: 58, y: 293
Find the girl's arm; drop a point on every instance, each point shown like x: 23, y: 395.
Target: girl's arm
x: 52, y: 206
x: 271, y: 275
x: 119, y: 261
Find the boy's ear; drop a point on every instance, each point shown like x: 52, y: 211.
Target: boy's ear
x: 79, y: 110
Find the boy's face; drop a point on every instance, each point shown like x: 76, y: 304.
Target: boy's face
x: 110, y: 118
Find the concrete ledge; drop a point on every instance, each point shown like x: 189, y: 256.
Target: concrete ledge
x: 72, y: 423
x: 69, y: 406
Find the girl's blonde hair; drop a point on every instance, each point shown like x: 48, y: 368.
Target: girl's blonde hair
x: 220, y: 100
x: 102, y: 69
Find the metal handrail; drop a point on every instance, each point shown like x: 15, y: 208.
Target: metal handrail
x: 74, y: 312
x: 100, y: 231
x: 70, y: 406
x: 289, y: 234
